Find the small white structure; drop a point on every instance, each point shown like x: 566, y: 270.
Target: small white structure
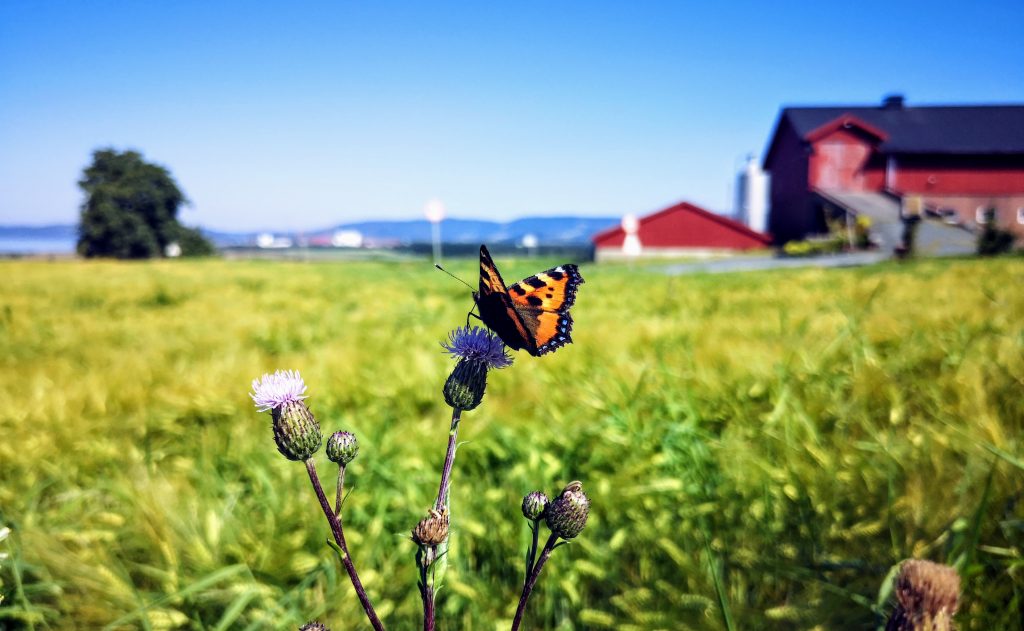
x: 530, y: 243
x: 172, y: 250
x: 752, y: 196
x: 347, y: 239
x: 631, y: 246
x: 268, y: 240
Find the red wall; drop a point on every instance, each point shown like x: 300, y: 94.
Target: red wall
x: 967, y: 175
x: 845, y: 160
x: 838, y: 162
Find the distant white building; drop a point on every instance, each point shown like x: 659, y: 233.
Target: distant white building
x: 347, y: 239
x: 268, y: 240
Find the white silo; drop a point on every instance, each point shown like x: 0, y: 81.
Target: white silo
x: 752, y: 195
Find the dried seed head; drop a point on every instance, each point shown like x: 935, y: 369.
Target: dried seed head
x: 296, y: 432
x: 314, y: 626
x: 432, y: 529
x: 534, y: 504
x: 342, y: 447
x: 927, y: 594
x: 566, y: 515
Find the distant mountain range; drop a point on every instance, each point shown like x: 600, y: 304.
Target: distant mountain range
x: 41, y: 233
x: 547, y: 230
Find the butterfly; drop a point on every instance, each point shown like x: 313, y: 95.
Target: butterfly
x: 532, y: 314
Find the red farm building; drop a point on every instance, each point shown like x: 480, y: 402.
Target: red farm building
x: 951, y: 164
x: 680, y: 230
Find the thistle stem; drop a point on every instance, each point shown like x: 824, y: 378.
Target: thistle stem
x: 532, y: 580
x: 339, y: 537
x: 449, y: 459
x: 532, y: 555
x: 338, y: 493
x: 427, y: 592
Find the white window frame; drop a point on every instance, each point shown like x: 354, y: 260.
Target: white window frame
x: 1020, y: 215
x: 979, y: 214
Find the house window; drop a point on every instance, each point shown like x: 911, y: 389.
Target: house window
x: 981, y: 214
x: 1020, y: 215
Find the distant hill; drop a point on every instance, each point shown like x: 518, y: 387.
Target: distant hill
x: 550, y: 231
x: 56, y: 232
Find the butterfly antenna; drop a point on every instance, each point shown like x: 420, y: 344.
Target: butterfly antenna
x: 454, y: 276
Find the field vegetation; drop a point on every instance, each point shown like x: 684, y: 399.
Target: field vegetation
x: 760, y: 448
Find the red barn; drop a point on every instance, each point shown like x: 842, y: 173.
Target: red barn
x: 681, y: 230
x: 951, y: 162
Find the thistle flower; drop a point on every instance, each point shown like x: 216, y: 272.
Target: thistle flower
x: 534, y: 504
x: 477, y: 344
x: 927, y: 595
x: 342, y: 448
x: 314, y: 626
x: 567, y: 514
x: 477, y: 351
x: 273, y: 391
x: 296, y: 431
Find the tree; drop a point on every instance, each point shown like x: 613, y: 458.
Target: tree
x: 131, y: 209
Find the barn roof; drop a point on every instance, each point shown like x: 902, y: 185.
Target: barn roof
x: 686, y: 207
x: 933, y: 129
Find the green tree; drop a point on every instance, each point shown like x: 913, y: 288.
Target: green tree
x: 131, y: 209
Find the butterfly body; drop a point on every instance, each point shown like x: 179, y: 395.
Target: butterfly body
x: 532, y: 314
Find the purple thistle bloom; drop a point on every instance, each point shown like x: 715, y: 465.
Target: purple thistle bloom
x: 477, y: 344
x: 272, y: 391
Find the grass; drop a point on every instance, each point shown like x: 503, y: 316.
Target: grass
x: 760, y: 449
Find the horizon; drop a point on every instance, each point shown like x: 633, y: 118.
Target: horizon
x: 287, y: 121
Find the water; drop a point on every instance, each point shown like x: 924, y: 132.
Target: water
x: 10, y: 246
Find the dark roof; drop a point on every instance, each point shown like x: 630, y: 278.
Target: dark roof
x: 942, y: 129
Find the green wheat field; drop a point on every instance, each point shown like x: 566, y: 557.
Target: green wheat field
x: 760, y: 449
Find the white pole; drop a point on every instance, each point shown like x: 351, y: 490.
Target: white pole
x: 435, y: 229
x: 434, y: 210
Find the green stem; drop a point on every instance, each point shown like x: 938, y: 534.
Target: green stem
x: 532, y: 580
x: 337, y: 495
x: 532, y: 555
x: 449, y: 460
x: 339, y: 538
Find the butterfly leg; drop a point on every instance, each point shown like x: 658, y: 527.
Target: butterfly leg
x: 471, y: 314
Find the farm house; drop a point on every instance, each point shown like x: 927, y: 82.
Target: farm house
x: 680, y: 230
x: 951, y: 164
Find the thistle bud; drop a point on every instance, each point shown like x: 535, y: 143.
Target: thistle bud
x: 465, y: 387
x: 567, y: 514
x: 314, y: 626
x: 342, y: 447
x: 927, y: 594
x: 296, y: 432
x: 477, y: 351
x: 534, y: 504
x: 432, y: 529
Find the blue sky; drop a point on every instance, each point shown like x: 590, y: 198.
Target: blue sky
x: 303, y: 115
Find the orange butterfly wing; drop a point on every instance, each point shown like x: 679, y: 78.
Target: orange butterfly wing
x: 497, y: 310
x: 533, y: 313
x: 543, y: 302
